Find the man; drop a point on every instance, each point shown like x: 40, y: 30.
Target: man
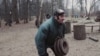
x: 49, y: 31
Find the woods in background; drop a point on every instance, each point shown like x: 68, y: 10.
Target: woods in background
x: 14, y: 11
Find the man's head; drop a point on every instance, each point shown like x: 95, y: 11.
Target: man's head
x: 59, y: 15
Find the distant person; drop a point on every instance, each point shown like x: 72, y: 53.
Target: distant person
x: 9, y: 20
x: 48, y: 16
x: 49, y: 31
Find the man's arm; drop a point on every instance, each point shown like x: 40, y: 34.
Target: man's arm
x: 40, y: 40
x: 64, y: 28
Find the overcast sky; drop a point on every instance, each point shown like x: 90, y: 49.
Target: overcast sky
x: 70, y: 4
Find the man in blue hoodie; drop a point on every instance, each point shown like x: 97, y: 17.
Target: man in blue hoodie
x: 48, y: 32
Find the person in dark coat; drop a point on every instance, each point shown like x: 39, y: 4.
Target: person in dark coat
x: 48, y: 32
x: 48, y: 16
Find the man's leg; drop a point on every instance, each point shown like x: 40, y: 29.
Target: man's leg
x: 42, y: 53
x: 54, y: 51
x: 46, y: 54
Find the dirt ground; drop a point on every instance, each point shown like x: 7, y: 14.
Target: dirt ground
x: 18, y: 40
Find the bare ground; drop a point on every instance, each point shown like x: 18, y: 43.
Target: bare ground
x: 18, y: 40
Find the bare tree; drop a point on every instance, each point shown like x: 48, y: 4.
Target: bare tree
x: 7, y: 13
x: 15, y: 11
x: 26, y: 11
x: 72, y: 8
x: 52, y: 5
x: 41, y: 13
x: 21, y: 9
x: 60, y: 3
x: 0, y: 22
x: 29, y: 10
x: 37, y: 13
x: 5, y: 4
x: 81, y: 7
x: 67, y: 7
x: 86, y: 6
x: 2, y: 11
x: 0, y: 17
x: 92, y: 6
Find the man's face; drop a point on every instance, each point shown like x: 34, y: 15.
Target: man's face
x: 61, y: 18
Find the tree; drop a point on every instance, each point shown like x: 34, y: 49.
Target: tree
x: 37, y: 14
x: 60, y: 3
x: 24, y: 10
x: 29, y: 10
x: 72, y: 9
x: 86, y: 6
x: 26, y: 6
x: 0, y: 17
x: 2, y: 11
x: 81, y: 7
x: 7, y: 13
x: 66, y: 9
x: 91, y: 7
x: 0, y: 22
x: 15, y: 11
x: 21, y: 9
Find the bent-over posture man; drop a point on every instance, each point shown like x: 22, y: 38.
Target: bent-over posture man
x: 48, y: 32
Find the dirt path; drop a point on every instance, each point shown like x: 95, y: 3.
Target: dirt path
x: 18, y: 40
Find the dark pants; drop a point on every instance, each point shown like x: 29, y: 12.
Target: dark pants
x: 46, y: 54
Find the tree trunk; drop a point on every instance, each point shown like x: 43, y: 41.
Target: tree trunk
x: 0, y: 16
x: 91, y: 7
x: 79, y: 32
x: 86, y: 7
x: 81, y: 8
x: 72, y: 10
x: 37, y: 14
x: 5, y: 4
x: 68, y: 27
x: 0, y: 22
x: 26, y: 11
x: 21, y: 9
x: 41, y: 17
x: 52, y: 6
x: 29, y: 10
x: 94, y: 8
x: 15, y: 11
x: 7, y: 13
